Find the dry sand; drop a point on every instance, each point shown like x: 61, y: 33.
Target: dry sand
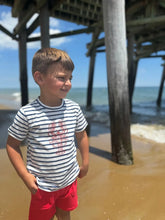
x: 110, y: 191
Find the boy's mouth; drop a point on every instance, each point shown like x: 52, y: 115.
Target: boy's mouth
x: 65, y: 90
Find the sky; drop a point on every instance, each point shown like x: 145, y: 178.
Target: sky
x: 148, y: 74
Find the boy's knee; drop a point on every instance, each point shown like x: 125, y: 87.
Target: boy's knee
x: 62, y: 215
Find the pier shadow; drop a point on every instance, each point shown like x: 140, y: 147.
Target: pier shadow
x: 101, y: 153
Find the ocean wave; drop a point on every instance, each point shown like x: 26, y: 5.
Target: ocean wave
x: 16, y: 96
x: 154, y: 133
x: 143, y: 126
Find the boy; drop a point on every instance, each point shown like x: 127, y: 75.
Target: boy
x: 50, y: 124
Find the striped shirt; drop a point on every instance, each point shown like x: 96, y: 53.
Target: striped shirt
x: 51, y: 150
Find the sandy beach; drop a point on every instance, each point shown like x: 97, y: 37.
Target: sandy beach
x: 109, y: 192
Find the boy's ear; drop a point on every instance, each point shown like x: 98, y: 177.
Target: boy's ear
x: 38, y: 77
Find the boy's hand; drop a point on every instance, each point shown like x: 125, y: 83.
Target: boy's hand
x: 82, y: 141
x: 15, y: 156
x: 83, y: 171
x: 31, y: 182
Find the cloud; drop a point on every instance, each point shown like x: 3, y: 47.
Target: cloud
x: 7, y: 43
x: 9, y: 23
x: 58, y: 41
x: 54, y: 22
x: 53, y: 42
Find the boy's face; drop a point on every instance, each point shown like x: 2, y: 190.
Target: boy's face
x: 56, y: 83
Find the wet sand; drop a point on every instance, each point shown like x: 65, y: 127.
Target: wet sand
x: 110, y: 191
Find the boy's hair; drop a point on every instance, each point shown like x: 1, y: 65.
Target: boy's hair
x: 45, y: 57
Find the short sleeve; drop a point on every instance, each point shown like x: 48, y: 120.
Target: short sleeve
x: 81, y: 121
x: 19, y: 128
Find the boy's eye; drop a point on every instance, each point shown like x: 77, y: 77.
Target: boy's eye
x: 61, y: 78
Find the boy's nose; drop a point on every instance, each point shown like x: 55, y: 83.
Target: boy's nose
x: 67, y: 82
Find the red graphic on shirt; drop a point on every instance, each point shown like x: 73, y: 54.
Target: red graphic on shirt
x: 57, y: 131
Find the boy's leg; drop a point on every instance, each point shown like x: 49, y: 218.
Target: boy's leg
x: 66, y: 202
x: 62, y: 215
x: 42, y: 206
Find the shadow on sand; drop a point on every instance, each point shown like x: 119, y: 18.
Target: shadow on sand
x: 101, y: 153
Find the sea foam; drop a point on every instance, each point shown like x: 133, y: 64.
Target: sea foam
x: 154, y: 133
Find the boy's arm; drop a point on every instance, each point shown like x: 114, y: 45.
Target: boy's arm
x: 83, y: 145
x: 15, y: 156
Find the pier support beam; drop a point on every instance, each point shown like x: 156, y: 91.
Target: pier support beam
x: 92, y: 54
x: 23, y: 64
x: 117, y: 73
x: 44, y: 26
x: 159, y: 99
x: 132, y: 67
x: 90, y: 79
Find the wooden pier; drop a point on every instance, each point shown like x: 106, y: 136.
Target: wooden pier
x: 140, y: 23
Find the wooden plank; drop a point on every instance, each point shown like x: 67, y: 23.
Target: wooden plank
x: 41, y: 3
x: 149, y: 49
x: 3, y: 29
x: 18, y: 6
x: 134, y: 8
x: 151, y: 9
x: 94, y: 2
x: 117, y: 74
x: 33, y: 26
x: 78, y: 12
x: 90, y: 79
x: 98, y: 43
x: 44, y: 26
x: 150, y: 37
x: 73, y: 18
x: 162, y: 3
x: 23, y: 64
x: 22, y: 23
x: 80, y: 8
x: 65, y: 34
x: 131, y: 69
x: 92, y: 54
x: 7, y: 2
x: 156, y: 56
x: 94, y: 39
x: 159, y: 99
x: 146, y: 21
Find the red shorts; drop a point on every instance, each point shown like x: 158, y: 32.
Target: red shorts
x: 43, y: 204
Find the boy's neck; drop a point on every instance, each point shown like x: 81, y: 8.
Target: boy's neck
x: 49, y: 102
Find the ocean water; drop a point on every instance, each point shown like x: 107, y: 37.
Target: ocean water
x: 147, y: 120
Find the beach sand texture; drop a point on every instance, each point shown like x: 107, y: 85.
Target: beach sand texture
x: 109, y: 192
